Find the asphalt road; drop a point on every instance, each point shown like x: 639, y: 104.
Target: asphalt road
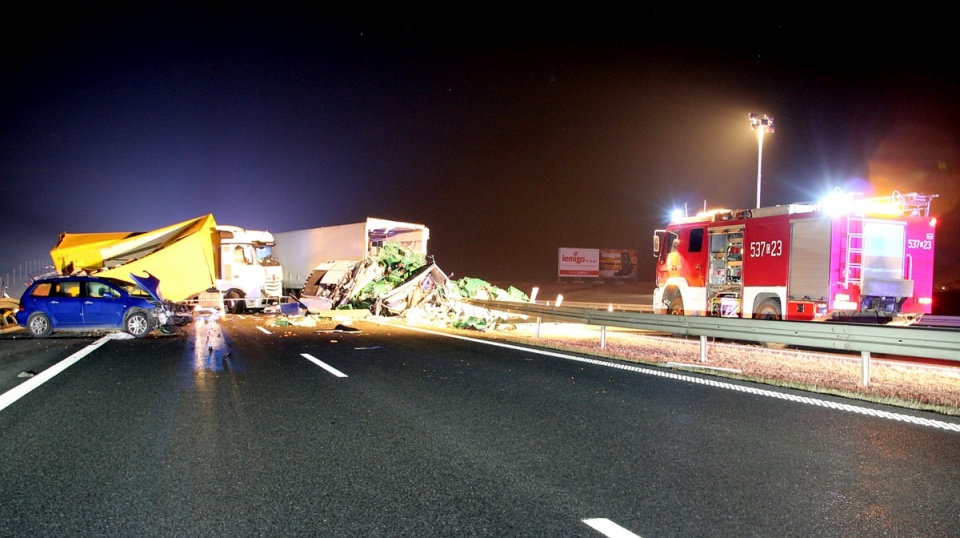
x: 231, y: 431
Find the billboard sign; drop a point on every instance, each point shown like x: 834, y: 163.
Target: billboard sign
x: 618, y: 263
x: 578, y: 262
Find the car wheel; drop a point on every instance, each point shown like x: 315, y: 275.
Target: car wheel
x: 676, y: 306
x: 137, y: 323
x: 39, y: 325
x: 233, y: 301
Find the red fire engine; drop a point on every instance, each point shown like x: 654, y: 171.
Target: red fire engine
x: 848, y: 258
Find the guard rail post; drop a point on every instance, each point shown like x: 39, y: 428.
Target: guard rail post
x: 865, y: 358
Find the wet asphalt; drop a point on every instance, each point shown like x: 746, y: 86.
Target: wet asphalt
x: 228, y: 430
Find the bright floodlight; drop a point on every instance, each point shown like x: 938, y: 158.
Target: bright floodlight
x: 835, y: 203
x: 760, y: 124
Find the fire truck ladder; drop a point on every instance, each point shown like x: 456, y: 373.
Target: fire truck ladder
x: 853, y: 260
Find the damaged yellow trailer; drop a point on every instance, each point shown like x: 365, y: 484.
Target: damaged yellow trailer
x: 189, y: 258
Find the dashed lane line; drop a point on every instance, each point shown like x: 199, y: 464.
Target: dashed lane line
x: 609, y: 528
x: 323, y: 365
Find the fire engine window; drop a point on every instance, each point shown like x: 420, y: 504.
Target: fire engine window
x: 696, y: 240
x: 669, y: 243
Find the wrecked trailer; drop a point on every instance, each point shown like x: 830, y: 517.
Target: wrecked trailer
x: 303, y: 252
x: 419, y: 288
x: 397, y: 281
x: 348, y: 284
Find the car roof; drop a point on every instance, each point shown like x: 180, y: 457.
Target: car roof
x: 70, y: 277
x: 81, y: 278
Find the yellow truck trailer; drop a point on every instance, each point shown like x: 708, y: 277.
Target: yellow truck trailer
x: 189, y: 257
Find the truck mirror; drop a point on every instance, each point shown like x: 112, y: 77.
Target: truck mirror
x: 656, y: 245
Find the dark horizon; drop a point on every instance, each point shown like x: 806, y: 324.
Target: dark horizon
x: 508, y: 140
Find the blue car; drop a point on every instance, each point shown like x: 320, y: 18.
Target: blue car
x: 90, y: 303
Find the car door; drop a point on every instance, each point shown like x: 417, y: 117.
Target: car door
x: 102, y: 305
x: 65, y: 304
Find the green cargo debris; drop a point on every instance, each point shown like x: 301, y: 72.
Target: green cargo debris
x: 470, y: 322
x: 396, y: 281
x: 475, y: 288
x: 393, y: 265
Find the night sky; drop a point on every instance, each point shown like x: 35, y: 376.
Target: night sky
x: 507, y: 137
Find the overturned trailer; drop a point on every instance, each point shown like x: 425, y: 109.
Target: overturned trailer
x: 188, y: 257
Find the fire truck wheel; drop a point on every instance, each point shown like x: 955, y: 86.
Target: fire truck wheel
x: 768, y: 309
x: 676, y: 306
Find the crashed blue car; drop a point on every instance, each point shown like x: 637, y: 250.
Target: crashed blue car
x: 87, y: 303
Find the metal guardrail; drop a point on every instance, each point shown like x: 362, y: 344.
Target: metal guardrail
x: 924, y: 342
x: 939, y: 321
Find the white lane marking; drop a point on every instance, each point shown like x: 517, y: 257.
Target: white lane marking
x: 22, y: 389
x: 951, y: 426
x: 323, y: 365
x: 609, y: 528
x: 264, y: 331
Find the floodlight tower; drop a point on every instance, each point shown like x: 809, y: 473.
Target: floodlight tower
x: 760, y: 124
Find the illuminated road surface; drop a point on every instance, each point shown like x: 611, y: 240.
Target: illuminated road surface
x: 231, y: 430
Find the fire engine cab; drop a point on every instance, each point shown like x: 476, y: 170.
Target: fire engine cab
x: 847, y: 258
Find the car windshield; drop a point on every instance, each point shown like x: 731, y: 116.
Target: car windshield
x: 129, y: 287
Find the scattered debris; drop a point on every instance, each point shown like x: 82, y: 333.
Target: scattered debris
x: 392, y: 281
x: 8, y: 310
x: 120, y: 336
x: 446, y: 308
x: 28, y: 373
x: 206, y: 314
x: 340, y: 328
x: 397, y: 281
x: 324, y: 324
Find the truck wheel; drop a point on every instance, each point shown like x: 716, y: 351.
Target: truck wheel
x: 137, y: 323
x: 233, y: 301
x: 39, y: 325
x: 676, y: 306
x: 768, y: 309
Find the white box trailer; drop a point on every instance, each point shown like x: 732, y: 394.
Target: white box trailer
x: 301, y: 251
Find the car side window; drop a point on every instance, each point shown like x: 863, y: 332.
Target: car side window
x: 41, y: 290
x: 71, y: 289
x: 65, y: 289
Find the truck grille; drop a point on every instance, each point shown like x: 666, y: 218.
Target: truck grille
x: 273, y: 287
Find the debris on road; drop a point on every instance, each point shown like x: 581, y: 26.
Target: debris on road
x: 397, y: 281
x: 8, y: 310
x: 447, y: 309
x: 340, y: 328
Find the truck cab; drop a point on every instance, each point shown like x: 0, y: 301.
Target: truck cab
x: 249, y: 273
